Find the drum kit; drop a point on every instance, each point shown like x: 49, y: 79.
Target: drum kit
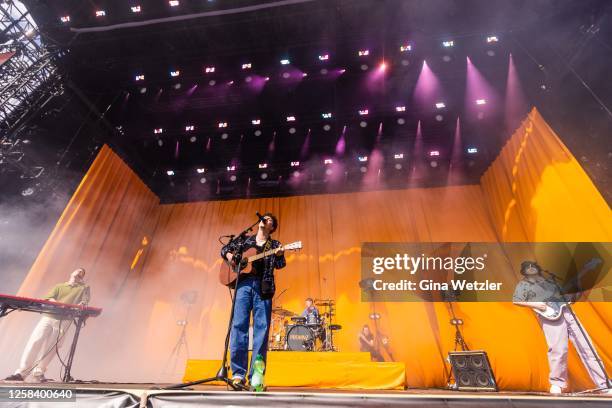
x: 291, y: 332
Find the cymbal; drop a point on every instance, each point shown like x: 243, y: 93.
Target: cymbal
x: 325, y: 302
x: 335, y: 327
x: 282, y: 312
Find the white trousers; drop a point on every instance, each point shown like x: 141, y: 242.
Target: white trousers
x: 40, y: 349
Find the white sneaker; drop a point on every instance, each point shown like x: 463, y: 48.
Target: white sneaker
x: 555, y: 389
x: 607, y: 391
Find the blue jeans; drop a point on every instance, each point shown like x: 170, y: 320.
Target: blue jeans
x: 248, y: 298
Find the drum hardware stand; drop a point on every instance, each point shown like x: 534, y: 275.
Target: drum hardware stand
x: 188, y: 298
x: 222, y: 374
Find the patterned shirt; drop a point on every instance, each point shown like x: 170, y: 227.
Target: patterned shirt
x: 264, y: 268
x: 537, y: 289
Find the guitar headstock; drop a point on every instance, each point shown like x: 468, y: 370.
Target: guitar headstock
x: 294, y: 246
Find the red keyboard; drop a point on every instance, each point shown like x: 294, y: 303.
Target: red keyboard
x: 9, y: 303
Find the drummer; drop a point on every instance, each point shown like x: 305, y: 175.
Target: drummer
x: 311, y: 313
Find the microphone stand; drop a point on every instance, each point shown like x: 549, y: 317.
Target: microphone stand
x: 582, y: 331
x: 222, y: 374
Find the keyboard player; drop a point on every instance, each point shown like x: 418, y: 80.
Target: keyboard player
x: 49, y: 333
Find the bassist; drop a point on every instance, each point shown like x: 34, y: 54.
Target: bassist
x: 254, y: 294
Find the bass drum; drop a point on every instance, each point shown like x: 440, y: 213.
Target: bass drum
x: 300, y: 338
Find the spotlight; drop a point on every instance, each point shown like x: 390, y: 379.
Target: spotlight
x: 139, y: 77
x: 364, y: 67
x: 177, y: 86
x: 472, y: 150
x: 143, y: 90
x: 231, y: 168
x: 158, y: 131
x: 189, y: 128
x: 363, y: 53
x: 290, y: 118
x: 446, y: 58
x: 401, y: 121
x: 326, y: 127
x: 328, y: 161
x: 405, y: 48
x: 382, y: 66
x: 267, y: 78
x: 304, y: 74
x: 263, y: 165
x: 363, y: 123
x: 233, y: 178
x: 65, y: 19
x: 324, y: 57
x: 326, y: 115
x: 209, y: 70
x: 246, y: 66
x: 481, y: 101
x: 292, y: 130
x: 434, y: 153
x: 440, y: 105
x: 174, y: 74
x: 173, y: 3
x: 136, y: 9
x: 363, y: 169
x: 160, y: 142
x: 224, y: 136
x: 295, y: 164
x: 448, y: 44
x: 100, y: 13
x: 492, y: 39
x: 258, y: 132
x: 398, y: 166
x: 400, y: 109
x: 329, y: 172
x: 296, y: 174
x: 264, y: 176
x: 433, y: 163
x: 439, y: 118
x: 398, y: 156
x: 362, y: 158
x: 286, y: 75
x: 203, y: 180
x: 222, y: 125
x: 193, y: 139
x: 212, y: 82
x: 170, y: 172
x: 201, y: 170
x: 256, y: 121
x: 248, y: 79
x: 324, y: 71
x: 285, y: 62
x: 363, y: 112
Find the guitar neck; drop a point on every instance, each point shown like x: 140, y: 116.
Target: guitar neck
x: 262, y: 255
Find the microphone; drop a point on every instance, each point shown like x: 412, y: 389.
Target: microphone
x: 261, y: 218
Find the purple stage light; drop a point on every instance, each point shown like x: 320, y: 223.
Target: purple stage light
x: 100, y: 13
x: 221, y: 125
x: 256, y: 121
x: 341, y: 145
x: 170, y: 172
x: 291, y: 118
x: 231, y: 168
x: 516, y: 102
x: 328, y: 161
x: 174, y: 3
x: 158, y: 131
x: 305, y: 146
x: 382, y: 66
x: 440, y: 105
x: 136, y: 9
x: 263, y: 165
x: 492, y: 39
x: 363, y: 53
x: 174, y: 74
x: 481, y: 101
x: 400, y: 109
x: 362, y: 158
x: 405, y: 48
x: 285, y: 61
x: 189, y: 128
x: 434, y: 153
x: 295, y: 164
x: 248, y: 65
x: 209, y: 70
x: 324, y: 57
x: 472, y: 150
x: 65, y: 19
x: 140, y: 77
x: 363, y: 112
x: 428, y: 88
x: 478, y: 90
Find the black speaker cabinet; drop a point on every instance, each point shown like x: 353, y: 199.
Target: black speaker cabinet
x: 472, y: 371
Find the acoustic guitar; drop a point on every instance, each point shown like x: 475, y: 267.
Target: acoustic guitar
x: 227, y: 270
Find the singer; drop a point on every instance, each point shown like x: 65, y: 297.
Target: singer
x: 254, y: 294
x: 538, y: 292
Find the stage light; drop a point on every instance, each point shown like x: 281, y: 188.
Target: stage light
x: 363, y: 169
x: 27, y: 192
x: 326, y: 115
x: 328, y: 161
x: 295, y: 163
x: 174, y: 74
x: 160, y: 142
x: 189, y: 128
x: 296, y: 174
x: 382, y: 66
x: 362, y: 158
x: 363, y: 112
x: 230, y: 83
x: 65, y: 19
x: 448, y: 44
x: 143, y: 90
x: 398, y: 166
x: 224, y: 136
x: 212, y: 82
x: 440, y: 105
x: 257, y: 132
x: 290, y: 118
x: 209, y: 70
x: 173, y: 3
x: 398, y: 156
x: 170, y: 172
x: 264, y: 176
x: 100, y: 13
x: 286, y: 75
x: 263, y: 165
x: 285, y: 62
x: 326, y: 127
x: 158, y: 131
x: 136, y: 9
x: 246, y: 66
x: 342, y: 71
x: 231, y: 168
x: 193, y: 139
x: 481, y: 101
x: 363, y: 53
x: 256, y: 121
x: 364, y: 67
x: 324, y: 57
x: 203, y: 180
x: 304, y: 74
x: 139, y: 77
x: 492, y: 39
x: 472, y: 150
x: 267, y: 78
x: 363, y: 123
x: 405, y: 48
x: 324, y: 71
x: 439, y: 118
x: 292, y: 130
x: 177, y: 86
x: 222, y: 125
x: 233, y: 177
x: 400, y: 109
x: 434, y: 153
x: 401, y: 121
x: 201, y: 170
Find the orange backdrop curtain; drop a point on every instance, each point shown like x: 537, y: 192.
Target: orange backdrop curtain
x: 142, y: 256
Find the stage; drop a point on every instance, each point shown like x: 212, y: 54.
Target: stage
x: 134, y: 395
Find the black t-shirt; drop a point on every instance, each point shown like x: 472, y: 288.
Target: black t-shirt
x: 363, y: 345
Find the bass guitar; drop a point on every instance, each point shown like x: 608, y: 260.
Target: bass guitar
x: 227, y: 270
